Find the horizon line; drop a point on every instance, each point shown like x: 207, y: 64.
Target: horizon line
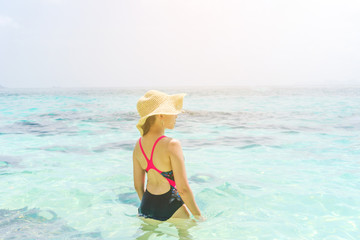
x: 196, y: 86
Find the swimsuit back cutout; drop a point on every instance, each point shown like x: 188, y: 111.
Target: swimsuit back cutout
x: 150, y: 165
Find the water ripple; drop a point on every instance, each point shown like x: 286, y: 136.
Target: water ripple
x: 37, y: 224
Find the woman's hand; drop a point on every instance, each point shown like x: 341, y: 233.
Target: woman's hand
x: 200, y: 218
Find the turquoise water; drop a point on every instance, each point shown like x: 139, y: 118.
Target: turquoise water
x: 265, y: 163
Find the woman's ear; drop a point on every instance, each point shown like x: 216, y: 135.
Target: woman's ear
x: 161, y: 116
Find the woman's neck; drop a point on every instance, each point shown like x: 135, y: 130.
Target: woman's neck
x: 156, y: 131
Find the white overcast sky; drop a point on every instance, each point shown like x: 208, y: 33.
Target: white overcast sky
x: 130, y: 43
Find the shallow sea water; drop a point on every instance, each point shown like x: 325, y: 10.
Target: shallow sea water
x: 263, y: 163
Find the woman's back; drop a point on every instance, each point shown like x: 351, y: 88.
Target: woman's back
x: 156, y: 183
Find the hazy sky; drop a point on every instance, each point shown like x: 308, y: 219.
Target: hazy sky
x: 125, y: 43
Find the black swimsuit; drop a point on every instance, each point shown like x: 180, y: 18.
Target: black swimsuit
x: 159, y: 207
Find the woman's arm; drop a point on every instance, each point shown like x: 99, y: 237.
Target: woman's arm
x: 139, y: 177
x: 182, y: 185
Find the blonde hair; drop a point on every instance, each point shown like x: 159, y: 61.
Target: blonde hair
x: 148, y: 123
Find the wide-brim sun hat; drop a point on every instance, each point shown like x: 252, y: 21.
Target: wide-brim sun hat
x: 155, y: 102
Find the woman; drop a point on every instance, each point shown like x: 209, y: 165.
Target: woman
x: 167, y: 190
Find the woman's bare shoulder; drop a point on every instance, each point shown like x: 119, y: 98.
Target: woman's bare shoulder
x: 172, y: 142
x: 173, y: 146
x: 136, y: 146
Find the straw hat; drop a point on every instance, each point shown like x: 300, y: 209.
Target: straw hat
x: 156, y: 102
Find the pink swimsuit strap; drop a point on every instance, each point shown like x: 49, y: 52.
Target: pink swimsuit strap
x: 150, y: 164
